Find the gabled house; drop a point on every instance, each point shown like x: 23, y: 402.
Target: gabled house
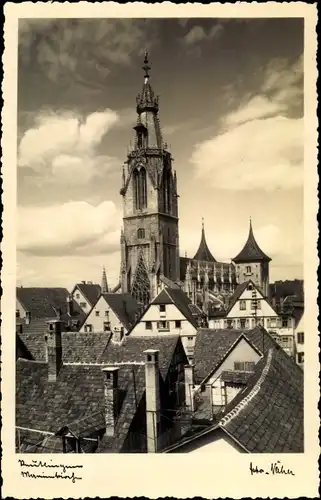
x: 36, y: 305
x: 248, y: 307
x: 265, y: 415
x: 112, y: 312
x: 79, y: 393
x: 86, y: 295
x: 171, y: 312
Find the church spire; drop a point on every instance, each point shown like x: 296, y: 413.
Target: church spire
x: 251, y: 252
x: 203, y: 253
x: 104, y: 284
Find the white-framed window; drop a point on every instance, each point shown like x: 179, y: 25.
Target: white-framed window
x: 242, y: 305
x: 77, y: 295
x: 300, y: 337
x: 148, y: 325
x: 244, y: 366
x: 106, y: 314
x: 163, y: 325
x: 88, y: 328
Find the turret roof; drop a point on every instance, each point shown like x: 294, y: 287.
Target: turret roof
x: 203, y: 253
x: 251, y: 251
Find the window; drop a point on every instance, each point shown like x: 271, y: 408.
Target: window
x: 301, y: 338
x: 140, y: 188
x: 77, y: 295
x: 273, y: 323
x: 83, y: 305
x: 17, y: 313
x: 88, y: 328
x: 244, y: 366
x: 250, y: 287
x: 140, y: 233
x: 107, y: 314
x: 229, y: 323
x: 162, y: 308
x: 255, y: 304
x: 162, y: 325
x: 97, y: 313
x: 248, y: 270
x: 190, y: 338
x: 284, y: 322
x: 242, y: 305
x: 148, y: 325
x: 243, y: 322
x: 178, y: 324
x: 258, y: 304
x: 300, y: 357
x: 106, y: 326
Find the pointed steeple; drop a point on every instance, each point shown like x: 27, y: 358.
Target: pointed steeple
x: 203, y: 252
x: 104, y: 284
x: 251, y: 251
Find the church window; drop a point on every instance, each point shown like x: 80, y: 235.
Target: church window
x: 141, y: 233
x: 242, y: 305
x: 140, y: 188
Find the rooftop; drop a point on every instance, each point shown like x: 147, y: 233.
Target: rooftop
x: 251, y: 251
x: 91, y: 291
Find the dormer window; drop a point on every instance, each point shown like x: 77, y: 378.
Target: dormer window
x: 141, y: 233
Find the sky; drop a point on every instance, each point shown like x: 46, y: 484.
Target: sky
x: 231, y: 110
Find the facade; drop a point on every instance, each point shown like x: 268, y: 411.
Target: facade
x: 299, y: 342
x: 171, y: 312
x: 86, y: 294
x: 113, y: 312
x: 149, y: 238
x: 252, y: 263
x: 249, y: 308
x: 205, y: 280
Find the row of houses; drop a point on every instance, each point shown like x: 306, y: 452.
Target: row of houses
x: 97, y: 393
x: 88, y: 310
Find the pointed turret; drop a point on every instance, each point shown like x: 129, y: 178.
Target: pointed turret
x: 104, y: 283
x: 203, y: 252
x: 251, y: 251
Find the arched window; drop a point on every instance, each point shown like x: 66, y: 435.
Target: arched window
x: 140, y: 233
x: 167, y: 191
x: 140, y: 188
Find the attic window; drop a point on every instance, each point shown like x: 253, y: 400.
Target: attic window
x: 83, y: 305
x: 97, y: 313
x: 244, y: 366
x: 242, y: 305
x: 17, y: 313
x: 178, y: 323
x: 162, y: 308
x: 250, y: 287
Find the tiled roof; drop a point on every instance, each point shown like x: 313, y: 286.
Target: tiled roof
x: 203, y: 253
x: 124, y: 306
x: 46, y: 302
x: 179, y: 298
x: 90, y: 290
x: 268, y: 416
x: 237, y: 294
x: 169, y: 283
x: 76, y: 346
x: 281, y: 289
x: 132, y: 350
x: 251, y: 251
x: 76, y: 400
x: 211, y: 347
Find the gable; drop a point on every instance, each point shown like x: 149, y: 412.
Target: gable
x: 246, y: 295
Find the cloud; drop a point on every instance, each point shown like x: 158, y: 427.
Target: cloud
x: 82, y: 51
x: 260, y: 143
x: 64, y: 145
x: 73, y: 228
x: 198, y: 34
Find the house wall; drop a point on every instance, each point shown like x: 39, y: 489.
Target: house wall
x: 22, y: 312
x: 97, y: 322
x: 299, y: 347
x: 265, y: 311
x: 81, y: 300
x: 186, y: 330
x: 214, y: 442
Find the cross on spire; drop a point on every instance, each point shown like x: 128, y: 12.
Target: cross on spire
x: 146, y: 67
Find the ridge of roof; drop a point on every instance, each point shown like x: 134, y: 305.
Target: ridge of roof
x: 91, y: 291
x: 251, y: 252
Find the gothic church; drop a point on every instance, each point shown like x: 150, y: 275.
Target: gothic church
x: 150, y: 236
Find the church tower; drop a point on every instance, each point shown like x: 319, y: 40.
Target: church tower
x: 252, y: 263
x: 149, y: 238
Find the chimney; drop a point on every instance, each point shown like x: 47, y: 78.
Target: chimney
x: 28, y: 317
x: 53, y: 349
x: 70, y: 305
x: 189, y: 386
x: 111, y: 398
x: 152, y: 399
x: 118, y: 334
